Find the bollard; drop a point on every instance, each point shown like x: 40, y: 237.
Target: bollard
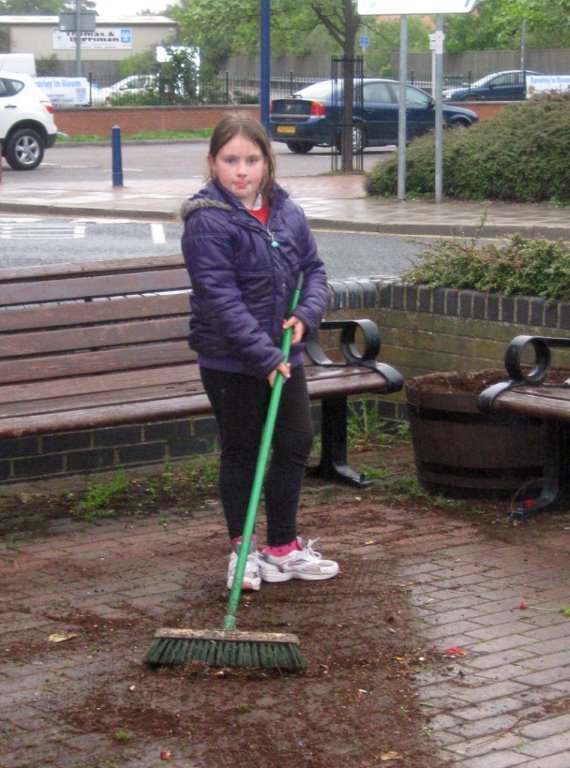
x: 117, y: 159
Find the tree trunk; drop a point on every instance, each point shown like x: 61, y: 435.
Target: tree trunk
x: 351, y: 24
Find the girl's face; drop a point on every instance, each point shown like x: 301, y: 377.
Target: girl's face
x: 240, y: 167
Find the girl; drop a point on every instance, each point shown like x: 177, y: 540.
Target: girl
x: 245, y: 242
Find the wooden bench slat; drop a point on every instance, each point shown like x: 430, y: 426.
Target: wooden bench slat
x: 116, y: 415
x: 93, y: 337
x: 62, y: 366
x: 92, y: 286
x: 104, y: 382
x: 542, y: 402
x: 99, y: 400
x: 103, y: 311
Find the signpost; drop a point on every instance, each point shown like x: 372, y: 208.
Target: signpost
x: 404, y: 8
x: 78, y: 22
x: 265, y: 59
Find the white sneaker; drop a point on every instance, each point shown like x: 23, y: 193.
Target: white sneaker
x: 251, y: 581
x: 302, y: 563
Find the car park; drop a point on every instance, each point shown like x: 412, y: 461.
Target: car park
x: 27, y: 125
x: 498, y: 86
x: 313, y: 116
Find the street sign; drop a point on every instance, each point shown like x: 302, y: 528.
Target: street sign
x: 413, y: 7
x: 363, y: 41
x: 87, y: 21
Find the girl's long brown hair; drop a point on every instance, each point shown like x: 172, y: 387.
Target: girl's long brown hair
x: 243, y: 124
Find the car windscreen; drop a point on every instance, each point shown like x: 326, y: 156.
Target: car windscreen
x: 322, y: 90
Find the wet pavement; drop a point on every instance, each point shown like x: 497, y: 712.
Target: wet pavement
x: 331, y: 201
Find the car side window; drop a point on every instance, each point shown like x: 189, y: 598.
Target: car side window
x: 10, y: 87
x: 377, y: 92
x: 415, y: 98
x: 507, y: 79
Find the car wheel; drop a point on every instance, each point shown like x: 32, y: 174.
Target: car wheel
x: 300, y: 147
x: 459, y: 125
x: 24, y: 150
x: 358, y: 140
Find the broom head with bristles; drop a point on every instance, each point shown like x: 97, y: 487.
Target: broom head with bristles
x: 222, y: 648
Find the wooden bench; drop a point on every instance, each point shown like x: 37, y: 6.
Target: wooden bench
x: 528, y: 361
x: 103, y: 344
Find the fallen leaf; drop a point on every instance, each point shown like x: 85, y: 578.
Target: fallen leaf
x: 390, y: 756
x: 455, y: 651
x: 61, y: 637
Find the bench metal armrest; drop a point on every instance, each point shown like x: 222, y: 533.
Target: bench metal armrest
x: 541, y: 346
x: 351, y: 352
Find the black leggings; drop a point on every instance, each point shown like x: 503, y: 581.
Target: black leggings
x: 240, y: 405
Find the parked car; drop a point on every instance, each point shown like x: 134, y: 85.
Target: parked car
x: 498, y: 86
x: 128, y: 86
x: 313, y: 116
x: 27, y: 126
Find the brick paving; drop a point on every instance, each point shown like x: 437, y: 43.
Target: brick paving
x: 505, y: 702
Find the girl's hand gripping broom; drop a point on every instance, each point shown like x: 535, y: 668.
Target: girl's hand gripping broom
x: 229, y: 647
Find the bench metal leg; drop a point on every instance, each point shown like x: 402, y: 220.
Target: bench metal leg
x: 555, y: 493
x: 333, y: 464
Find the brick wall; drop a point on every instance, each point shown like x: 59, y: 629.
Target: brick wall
x: 100, y: 122
x: 422, y: 331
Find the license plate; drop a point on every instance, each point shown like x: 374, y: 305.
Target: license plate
x: 285, y: 129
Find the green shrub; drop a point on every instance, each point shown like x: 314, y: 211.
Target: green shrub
x: 521, y: 267
x: 521, y: 155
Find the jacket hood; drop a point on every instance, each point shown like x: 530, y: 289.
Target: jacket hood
x: 214, y: 196
x: 198, y: 203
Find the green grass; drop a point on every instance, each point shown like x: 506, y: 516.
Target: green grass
x: 204, y: 133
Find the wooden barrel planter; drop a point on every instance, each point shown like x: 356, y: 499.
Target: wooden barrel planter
x: 461, y: 452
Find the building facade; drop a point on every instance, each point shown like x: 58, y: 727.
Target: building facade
x: 102, y: 51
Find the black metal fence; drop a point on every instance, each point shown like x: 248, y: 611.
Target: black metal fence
x: 225, y: 89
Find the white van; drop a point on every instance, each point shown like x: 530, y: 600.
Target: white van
x: 19, y: 62
x: 65, y: 91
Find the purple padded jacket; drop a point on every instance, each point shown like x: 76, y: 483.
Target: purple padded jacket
x: 243, y: 275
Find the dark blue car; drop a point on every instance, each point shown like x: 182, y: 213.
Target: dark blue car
x: 499, y: 86
x: 312, y: 117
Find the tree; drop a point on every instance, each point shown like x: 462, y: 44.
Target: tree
x: 496, y: 24
x: 30, y: 7
x: 384, y: 36
x: 208, y: 25
x: 42, y: 7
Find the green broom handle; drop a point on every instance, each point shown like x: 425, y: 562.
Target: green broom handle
x: 257, y: 486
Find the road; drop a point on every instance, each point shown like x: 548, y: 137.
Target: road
x: 175, y: 160
x: 36, y: 240
x: 39, y: 240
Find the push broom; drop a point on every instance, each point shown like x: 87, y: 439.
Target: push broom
x: 229, y: 647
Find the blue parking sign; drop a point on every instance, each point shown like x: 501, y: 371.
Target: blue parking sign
x: 364, y: 41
